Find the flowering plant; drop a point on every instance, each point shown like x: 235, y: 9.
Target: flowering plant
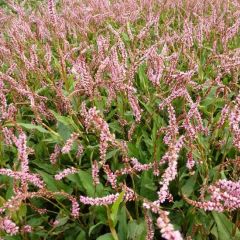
x: 119, y: 119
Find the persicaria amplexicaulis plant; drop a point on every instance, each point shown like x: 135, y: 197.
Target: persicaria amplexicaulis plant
x: 119, y: 119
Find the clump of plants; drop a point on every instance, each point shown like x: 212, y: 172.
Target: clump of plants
x: 119, y: 119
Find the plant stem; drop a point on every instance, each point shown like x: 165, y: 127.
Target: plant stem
x: 111, y: 226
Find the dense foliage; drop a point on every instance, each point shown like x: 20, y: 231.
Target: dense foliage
x: 119, y: 119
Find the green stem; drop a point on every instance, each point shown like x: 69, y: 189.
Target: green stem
x: 136, y: 202
x: 111, y: 225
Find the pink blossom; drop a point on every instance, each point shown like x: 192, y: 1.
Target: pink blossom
x: 99, y: 201
x: 65, y: 173
x: 68, y: 145
x: 26, y: 229
x: 135, y: 106
x: 79, y: 151
x: 150, y: 229
x: 137, y: 166
x: 92, y: 117
x: 83, y: 76
x: 111, y: 177
x: 166, y: 227
x: 9, y: 226
x: 190, y: 161
x: 51, y: 10
x: 55, y: 154
x: 75, y: 207
x: 171, y: 172
x: 23, y: 176
x: 22, y: 152
x: 95, y: 172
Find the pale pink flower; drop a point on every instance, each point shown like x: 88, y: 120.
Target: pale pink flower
x: 68, y: 145
x: 9, y: 226
x: 190, y: 161
x: 22, y: 152
x: 150, y: 229
x: 111, y: 177
x: 92, y: 117
x: 79, y: 151
x: 137, y: 166
x: 65, y: 173
x: 26, y: 229
x: 99, y: 201
x: 55, y: 154
x: 95, y: 172
x: 23, y: 177
x: 75, y: 207
x: 166, y: 227
x: 51, y: 11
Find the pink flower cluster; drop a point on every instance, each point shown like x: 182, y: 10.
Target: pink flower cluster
x: 92, y: 116
x: 234, y: 119
x: 150, y: 229
x: 23, y: 177
x: 135, y: 106
x: 137, y: 166
x: 163, y: 222
x: 51, y: 10
x: 7, y: 112
x: 75, y: 207
x: 9, y: 226
x: 26, y: 229
x: 68, y: 145
x: 111, y: 177
x: 172, y: 129
x: 224, y: 195
x: 99, y: 201
x: 166, y: 227
x: 193, y: 114
x: 55, y: 154
x: 129, y: 195
x: 170, y: 173
x: 190, y: 161
x: 22, y: 152
x: 79, y: 151
x: 156, y: 67
x: 65, y: 173
x: 84, y: 79
x: 95, y: 172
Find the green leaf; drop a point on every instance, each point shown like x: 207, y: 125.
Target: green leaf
x: 111, y: 154
x: 115, y: 207
x: 46, y: 167
x: 81, y: 236
x: 52, y: 184
x: 30, y: 126
x: 188, y: 187
x: 64, y: 131
x: 12, y: 238
x: 86, y: 180
x: 37, y: 221
x: 2, y: 201
x: 148, y: 188
x: 93, y: 227
x: 48, y: 179
x: 136, y: 231
x: 22, y: 211
x: 62, y: 221
x: 178, y: 204
x: 225, y: 227
x: 65, y: 120
x: 107, y: 236
x: 122, y: 223
x: 75, y: 178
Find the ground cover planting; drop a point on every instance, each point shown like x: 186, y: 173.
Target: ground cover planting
x: 119, y: 119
